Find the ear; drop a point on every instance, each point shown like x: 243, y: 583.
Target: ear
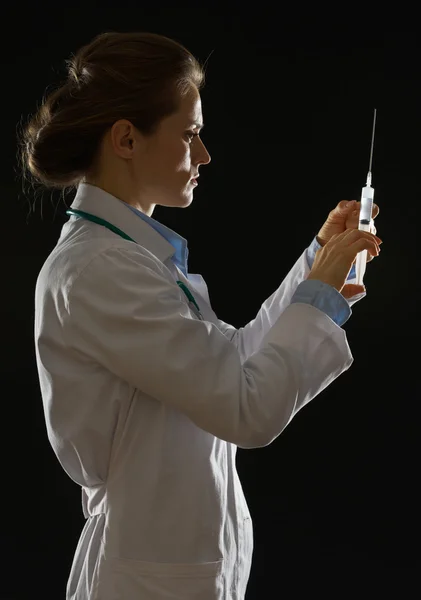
x: 123, y: 139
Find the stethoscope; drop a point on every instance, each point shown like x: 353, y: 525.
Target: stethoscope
x: 111, y: 227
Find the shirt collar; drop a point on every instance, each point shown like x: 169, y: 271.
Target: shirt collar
x: 179, y: 244
x: 146, y: 231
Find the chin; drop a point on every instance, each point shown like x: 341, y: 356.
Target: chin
x: 187, y: 202
x: 184, y: 200
x: 180, y: 200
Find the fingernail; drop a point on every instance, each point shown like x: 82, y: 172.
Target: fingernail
x: 350, y: 203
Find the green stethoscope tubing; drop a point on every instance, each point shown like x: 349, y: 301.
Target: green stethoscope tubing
x: 99, y: 221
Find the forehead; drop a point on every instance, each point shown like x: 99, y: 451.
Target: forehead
x: 190, y: 107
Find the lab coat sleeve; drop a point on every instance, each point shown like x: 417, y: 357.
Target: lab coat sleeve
x: 126, y: 315
x: 248, y: 339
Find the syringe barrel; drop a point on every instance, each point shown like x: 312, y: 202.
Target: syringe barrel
x: 367, y: 196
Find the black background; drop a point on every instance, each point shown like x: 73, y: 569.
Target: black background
x: 288, y: 108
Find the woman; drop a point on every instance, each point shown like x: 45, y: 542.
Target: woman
x: 147, y: 394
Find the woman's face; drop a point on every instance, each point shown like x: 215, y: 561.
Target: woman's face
x: 166, y: 165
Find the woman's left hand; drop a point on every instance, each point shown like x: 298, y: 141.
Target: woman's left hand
x: 344, y: 216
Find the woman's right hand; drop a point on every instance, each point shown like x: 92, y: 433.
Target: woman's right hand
x: 334, y: 260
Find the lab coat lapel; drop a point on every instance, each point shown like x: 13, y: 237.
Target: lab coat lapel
x: 198, y: 286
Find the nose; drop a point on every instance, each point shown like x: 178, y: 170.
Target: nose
x: 202, y: 156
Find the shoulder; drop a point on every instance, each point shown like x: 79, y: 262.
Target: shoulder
x: 98, y: 267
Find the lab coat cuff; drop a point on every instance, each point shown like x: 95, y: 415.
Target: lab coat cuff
x: 325, y: 298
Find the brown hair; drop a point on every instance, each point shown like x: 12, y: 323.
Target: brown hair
x: 134, y: 76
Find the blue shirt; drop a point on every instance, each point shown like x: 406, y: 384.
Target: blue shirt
x: 314, y: 292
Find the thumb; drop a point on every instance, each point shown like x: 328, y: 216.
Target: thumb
x: 352, y: 289
x: 346, y: 206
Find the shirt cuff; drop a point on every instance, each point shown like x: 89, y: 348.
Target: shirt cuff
x: 311, y: 255
x: 325, y: 298
x: 311, y: 252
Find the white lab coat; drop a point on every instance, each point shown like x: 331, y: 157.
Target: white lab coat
x: 145, y: 405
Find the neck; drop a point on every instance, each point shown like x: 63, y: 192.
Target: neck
x: 122, y: 193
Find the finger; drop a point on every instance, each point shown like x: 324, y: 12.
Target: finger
x: 368, y: 259
x: 356, y: 240
x: 335, y: 237
x: 370, y: 236
x: 352, y: 289
x: 352, y: 220
x: 346, y: 206
x: 340, y: 237
x: 351, y: 235
x: 364, y: 243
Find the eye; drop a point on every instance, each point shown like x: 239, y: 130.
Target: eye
x: 191, y: 135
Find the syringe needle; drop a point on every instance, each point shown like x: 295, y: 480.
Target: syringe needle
x: 372, y: 141
x: 365, y: 220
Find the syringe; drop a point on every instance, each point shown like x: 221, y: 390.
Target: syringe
x: 366, y: 222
